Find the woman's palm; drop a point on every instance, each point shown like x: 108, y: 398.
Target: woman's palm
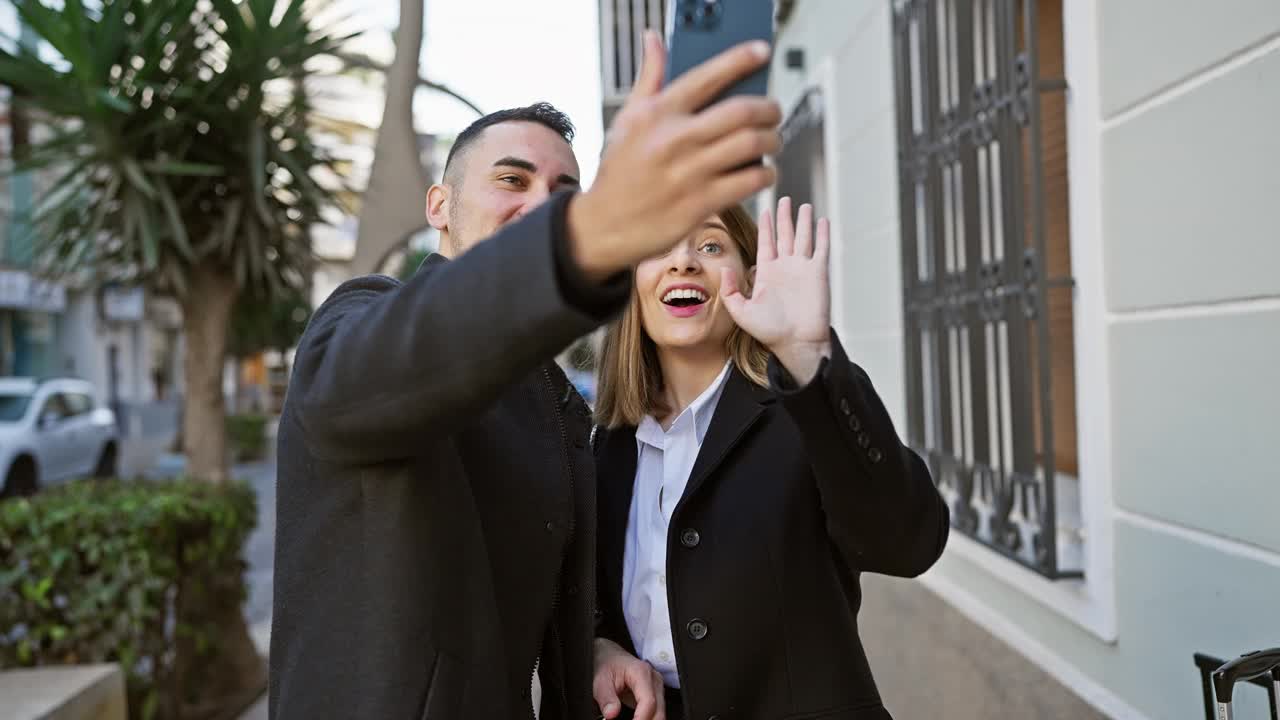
x: 790, y: 300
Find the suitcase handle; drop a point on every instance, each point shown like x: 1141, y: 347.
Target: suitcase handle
x: 1245, y: 667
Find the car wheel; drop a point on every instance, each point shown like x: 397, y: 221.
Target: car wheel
x: 21, y: 481
x: 106, y: 467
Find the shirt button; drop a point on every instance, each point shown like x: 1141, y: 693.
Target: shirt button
x: 551, y: 526
x: 864, y: 440
x: 662, y: 579
x: 854, y: 423
x: 874, y: 455
x: 690, y: 538
x: 664, y: 656
x: 697, y: 629
x: 844, y: 406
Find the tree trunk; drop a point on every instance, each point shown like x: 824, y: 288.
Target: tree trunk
x: 391, y: 206
x: 238, y: 671
x: 206, y: 314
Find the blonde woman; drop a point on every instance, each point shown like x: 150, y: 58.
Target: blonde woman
x: 748, y: 474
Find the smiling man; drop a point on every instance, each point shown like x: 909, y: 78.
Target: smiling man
x: 435, y: 525
x: 485, y: 187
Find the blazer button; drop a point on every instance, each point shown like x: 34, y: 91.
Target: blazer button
x: 854, y: 423
x: 690, y: 538
x: 697, y: 629
x: 864, y: 440
x: 844, y: 408
x: 874, y: 455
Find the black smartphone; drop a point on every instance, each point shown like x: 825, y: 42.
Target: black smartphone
x: 698, y: 30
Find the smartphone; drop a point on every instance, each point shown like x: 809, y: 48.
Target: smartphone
x: 698, y: 30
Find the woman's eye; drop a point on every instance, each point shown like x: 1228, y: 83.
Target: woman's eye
x: 712, y: 248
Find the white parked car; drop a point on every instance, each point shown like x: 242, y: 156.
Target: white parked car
x: 52, y: 431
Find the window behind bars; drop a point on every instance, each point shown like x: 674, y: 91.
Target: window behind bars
x: 990, y: 372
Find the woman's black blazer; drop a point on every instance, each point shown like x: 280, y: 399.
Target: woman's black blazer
x: 794, y: 494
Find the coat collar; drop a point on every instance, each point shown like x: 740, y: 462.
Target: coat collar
x: 740, y: 407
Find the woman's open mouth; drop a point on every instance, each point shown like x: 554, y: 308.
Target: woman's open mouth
x: 684, y: 302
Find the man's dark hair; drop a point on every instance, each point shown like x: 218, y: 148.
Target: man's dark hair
x: 544, y: 114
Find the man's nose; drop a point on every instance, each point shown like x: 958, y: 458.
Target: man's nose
x: 534, y: 197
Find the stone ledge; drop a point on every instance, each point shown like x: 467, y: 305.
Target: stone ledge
x: 82, y: 692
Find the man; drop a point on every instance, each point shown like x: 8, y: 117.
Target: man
x: 436, y: 529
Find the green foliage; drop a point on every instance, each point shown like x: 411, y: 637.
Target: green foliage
x: 259, y: 324
x: 180, y: 137
x: 247, y: 435
x: 100, y: 571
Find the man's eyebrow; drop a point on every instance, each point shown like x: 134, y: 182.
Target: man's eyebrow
x: 515, y: 162
x: 522, y: 164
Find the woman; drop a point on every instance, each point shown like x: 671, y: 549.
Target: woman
x: 748, y: 473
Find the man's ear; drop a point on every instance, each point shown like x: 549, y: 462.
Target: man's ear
x: 438, y: 206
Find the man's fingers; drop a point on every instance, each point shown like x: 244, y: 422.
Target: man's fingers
x: 734, y: 151
x: 735, y: 113
x: 696, y: 88
x: 652, y: 66
x: 734, y: 187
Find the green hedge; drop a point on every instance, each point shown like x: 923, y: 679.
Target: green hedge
x: 247, y: 436
x: 108, y: 571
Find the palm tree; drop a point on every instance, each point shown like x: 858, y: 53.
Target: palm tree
x: 181, y: 146
x: 178, y: 139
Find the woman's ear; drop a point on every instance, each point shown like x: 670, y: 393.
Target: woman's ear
x: 751, y: 280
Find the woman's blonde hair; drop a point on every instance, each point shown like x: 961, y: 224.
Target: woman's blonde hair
x: 630, y: 383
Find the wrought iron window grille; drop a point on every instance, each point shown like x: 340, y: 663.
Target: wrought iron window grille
x: 976, y: 327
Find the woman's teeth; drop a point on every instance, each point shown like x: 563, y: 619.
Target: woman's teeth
x: 686, y: 294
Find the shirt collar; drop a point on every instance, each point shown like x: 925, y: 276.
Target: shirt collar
x: 699, y: 413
